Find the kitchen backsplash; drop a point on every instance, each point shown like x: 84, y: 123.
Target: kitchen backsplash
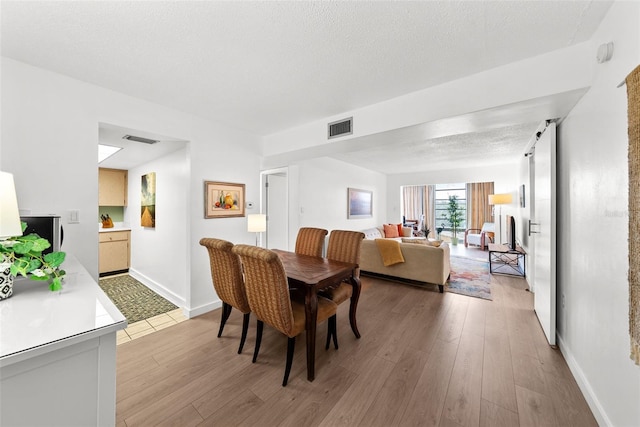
x: 116, y: 213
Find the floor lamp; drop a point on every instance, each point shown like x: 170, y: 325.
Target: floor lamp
x: 256, y: 223
x: 499, y: 199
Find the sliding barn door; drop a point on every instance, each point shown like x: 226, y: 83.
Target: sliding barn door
x: 543, y: 231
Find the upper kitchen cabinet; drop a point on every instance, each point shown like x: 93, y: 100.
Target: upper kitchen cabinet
x: 112, y: 187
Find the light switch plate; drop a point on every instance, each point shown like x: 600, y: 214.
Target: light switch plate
x: 74, y: 217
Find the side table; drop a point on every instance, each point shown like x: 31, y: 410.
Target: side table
x: 504, y: 260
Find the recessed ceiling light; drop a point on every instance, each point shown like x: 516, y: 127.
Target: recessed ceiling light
x: 106, y: 151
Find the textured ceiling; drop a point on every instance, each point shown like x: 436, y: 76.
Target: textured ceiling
x: 269, y: 66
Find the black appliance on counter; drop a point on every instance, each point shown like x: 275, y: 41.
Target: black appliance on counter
x: 46, y: 226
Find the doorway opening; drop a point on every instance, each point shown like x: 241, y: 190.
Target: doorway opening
x: 138, y: 245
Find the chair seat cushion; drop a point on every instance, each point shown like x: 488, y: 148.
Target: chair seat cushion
x: 326, y: 309
x: 341, y: 293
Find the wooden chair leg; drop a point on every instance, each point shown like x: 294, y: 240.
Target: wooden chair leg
x: 226, y: 311
x: 245, y: 327
x: 332, y: 331
x: 258, y: 340
x: 329, y: 332
x: 291, y: 345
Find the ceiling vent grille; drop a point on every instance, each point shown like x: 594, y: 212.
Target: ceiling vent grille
x: 139, y: 139
x: 340, y: 128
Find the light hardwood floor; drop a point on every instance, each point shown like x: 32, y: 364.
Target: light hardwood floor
x: 424, y: 359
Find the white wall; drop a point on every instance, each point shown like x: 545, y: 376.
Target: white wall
x: 322, y: 196
x: 49, y: 141
x: 158, y: 255
x: 593, y: 235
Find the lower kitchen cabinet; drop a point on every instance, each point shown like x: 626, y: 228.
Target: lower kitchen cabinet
x: 115, y: 251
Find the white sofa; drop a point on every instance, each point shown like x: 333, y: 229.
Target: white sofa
x: 422, y: 263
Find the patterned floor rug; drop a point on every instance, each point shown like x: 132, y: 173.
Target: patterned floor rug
x: 134, y: 300
x: 469, y: 277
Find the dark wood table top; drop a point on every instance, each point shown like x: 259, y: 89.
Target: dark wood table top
x: 310, y: 270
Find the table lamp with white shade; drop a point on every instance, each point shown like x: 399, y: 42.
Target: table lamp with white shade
x: 10, y: 226
x: 257, y: 223
x: 9, y: 215
x: 500, y: 199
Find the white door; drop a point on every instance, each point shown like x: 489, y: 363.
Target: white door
x: 276, y: 208
x: 543, y: 231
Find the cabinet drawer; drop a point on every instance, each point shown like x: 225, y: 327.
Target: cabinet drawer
x: 113, y: 236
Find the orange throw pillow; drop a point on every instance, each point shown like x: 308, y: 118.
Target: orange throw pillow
x: 391, y: 230
x: 400, y: 230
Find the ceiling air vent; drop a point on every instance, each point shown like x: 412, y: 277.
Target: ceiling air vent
x: 341, y: 128
x: 139, y: 139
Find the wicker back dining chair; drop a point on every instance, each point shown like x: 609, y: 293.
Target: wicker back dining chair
x: 345, y: 246
x: 226, y: 274
x: 310, y: 241
x: 268, y: 294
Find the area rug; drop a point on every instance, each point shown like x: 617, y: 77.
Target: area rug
x: 134, y: 300
x: 469, y: 277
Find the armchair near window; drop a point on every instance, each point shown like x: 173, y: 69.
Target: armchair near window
x: 480, y: 237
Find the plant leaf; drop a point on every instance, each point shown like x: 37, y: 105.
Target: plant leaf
x: 22, y: 248
x: 54, y: 259
x: 56, y: 284
x: 40, y: 245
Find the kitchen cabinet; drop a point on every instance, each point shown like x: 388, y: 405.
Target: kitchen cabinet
x: 112, y: 187
x: 58, y: 353
x: 114, y: 251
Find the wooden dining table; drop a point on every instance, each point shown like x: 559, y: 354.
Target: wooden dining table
x: 314, y: 274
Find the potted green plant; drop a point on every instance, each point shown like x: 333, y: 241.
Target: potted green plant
x: 454, y: 215
x: 425, y: 231
x: 22, y: 255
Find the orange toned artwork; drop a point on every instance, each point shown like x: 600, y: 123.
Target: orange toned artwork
x: 223, y: 199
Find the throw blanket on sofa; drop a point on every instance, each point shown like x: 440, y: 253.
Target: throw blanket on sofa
x: 389, y: 251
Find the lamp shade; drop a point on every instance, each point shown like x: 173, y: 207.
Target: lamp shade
x: 500, y: 199
x: 256, y: 223
x: 9, y: 214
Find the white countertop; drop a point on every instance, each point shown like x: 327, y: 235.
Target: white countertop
x: 35, y: 320
x: 117, y: 226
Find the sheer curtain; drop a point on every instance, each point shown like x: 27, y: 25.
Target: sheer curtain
x: 430, y: 208
x: 478, y: 208
x: 412, y: 201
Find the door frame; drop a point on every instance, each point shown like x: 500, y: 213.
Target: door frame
x: 264, y: 208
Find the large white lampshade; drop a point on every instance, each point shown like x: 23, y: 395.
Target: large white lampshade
x: 256, y: 223
x: 500, y: 199
x: 9, y: 214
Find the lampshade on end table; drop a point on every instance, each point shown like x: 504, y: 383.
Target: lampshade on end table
x: 9, y: 227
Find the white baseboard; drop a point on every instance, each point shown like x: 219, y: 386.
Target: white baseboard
x: 158, y: 288
x: 172, y: 297
x: 592, y: 400
x: 197, y: 311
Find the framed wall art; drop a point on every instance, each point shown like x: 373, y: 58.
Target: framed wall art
x: 223, y: 199
x: 148, y: 200
x: 359, y: 204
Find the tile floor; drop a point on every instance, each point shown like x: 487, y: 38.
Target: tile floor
x: 147, y: 326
